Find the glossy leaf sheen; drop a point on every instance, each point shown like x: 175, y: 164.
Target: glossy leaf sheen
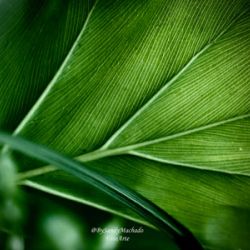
x: 165, y: 83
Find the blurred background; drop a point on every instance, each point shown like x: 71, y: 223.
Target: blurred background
x: 52, y: 223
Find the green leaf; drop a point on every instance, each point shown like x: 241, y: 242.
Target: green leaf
x: 123, y: 194
x: 35, y: 38
x: 223, y: 148
x: 204, y: 201
x: 162, y: 88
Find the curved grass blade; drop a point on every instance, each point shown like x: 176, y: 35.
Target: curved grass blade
x: 153, y: 214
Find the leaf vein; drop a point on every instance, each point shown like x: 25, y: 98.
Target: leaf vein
x: 170, y: 82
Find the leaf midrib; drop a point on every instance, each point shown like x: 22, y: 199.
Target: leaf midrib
x: 131, y: 150
x: 104, y: 151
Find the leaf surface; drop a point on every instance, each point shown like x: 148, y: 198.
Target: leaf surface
x: 164, y: 85
x: 127, y: 54
x: 35, y: 37
x: 214, y: 206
